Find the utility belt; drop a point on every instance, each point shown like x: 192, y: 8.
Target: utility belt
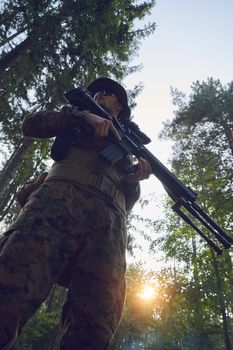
x: 89, y: 179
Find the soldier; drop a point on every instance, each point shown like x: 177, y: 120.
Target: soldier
x: 72, y: 230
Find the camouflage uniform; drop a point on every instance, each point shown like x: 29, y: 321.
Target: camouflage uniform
x: 68, y: 234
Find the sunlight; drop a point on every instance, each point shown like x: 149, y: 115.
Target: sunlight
x: 147, y: 293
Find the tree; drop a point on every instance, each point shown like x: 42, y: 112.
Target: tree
x: 49, y: 47
x: 202, y: 158
x: 46, y: 48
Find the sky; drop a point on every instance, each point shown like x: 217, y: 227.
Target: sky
x: 192, y: 41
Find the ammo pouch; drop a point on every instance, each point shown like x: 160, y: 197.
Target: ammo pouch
x: 62, y: 143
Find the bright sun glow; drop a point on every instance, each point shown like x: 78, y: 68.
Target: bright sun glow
x: 147, y: 293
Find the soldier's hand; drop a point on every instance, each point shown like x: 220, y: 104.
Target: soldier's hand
x: 101, y: 126
x: 143, y: 172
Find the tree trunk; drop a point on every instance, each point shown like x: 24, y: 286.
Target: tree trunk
x: 197, y: 298
x: 13, y: 163
x: 49, y: 300
x: 229, y: 264
x: 11, y: 37
x: 11, y: 56
x: 5, y: 196
x: 221, y: 303
x: 229, y: 134
x: 54, y: 343
x: 8, y: 195
x: 7, y: 204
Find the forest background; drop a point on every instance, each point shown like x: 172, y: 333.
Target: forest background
x: 184, y: 300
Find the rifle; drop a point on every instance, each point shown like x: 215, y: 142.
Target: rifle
x: 132, y: 142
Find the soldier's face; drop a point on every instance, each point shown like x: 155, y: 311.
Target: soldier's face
x: 110, y: 103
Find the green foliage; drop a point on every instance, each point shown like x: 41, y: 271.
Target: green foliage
x: 67, y: 43
x: 49, y: 47
x: 42, y: 329
x: 201, y: 130
x: 206, y: 117
x: 168, y: 320
x: 202, y: 159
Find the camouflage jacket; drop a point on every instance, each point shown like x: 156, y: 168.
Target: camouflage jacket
x: 46, y: 124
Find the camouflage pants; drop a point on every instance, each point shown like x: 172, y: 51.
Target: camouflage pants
x: 66, y: 234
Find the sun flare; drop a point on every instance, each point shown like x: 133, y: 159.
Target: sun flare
x: 147, y: 293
